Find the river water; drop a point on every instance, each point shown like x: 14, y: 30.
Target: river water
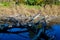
x: 25, y: 35
x: 56, y: 29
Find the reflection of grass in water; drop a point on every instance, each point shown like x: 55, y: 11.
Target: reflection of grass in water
x: 32, y: 34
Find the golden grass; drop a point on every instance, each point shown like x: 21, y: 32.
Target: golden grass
x: 14, y: 10
x: 54, y: 11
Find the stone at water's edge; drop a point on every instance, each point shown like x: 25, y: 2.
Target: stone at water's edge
x: 53, y: 20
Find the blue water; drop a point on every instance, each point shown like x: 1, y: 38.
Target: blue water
x: 25, y: 36
x: 54, y: 32
x: 20, y: 36
x: 56, y: 29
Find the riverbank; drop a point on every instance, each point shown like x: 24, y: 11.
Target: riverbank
x: 29, y: 11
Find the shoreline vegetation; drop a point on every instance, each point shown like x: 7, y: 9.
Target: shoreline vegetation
x: 13, y: 10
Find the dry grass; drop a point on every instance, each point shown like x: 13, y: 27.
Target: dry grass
x: 16, y: 10
x: 54, y: 11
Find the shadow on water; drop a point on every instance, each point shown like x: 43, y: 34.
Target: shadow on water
x: 20, y: 36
